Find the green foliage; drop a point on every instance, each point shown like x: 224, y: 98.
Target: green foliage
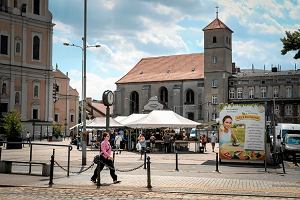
x: 12, y: 124
x: 57, y: 130
x: 291, y: 43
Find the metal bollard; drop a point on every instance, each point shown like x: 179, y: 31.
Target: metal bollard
x: 176, y: 162
x: 98, y: 174
x: 0, y: 152
x: 148, y: 173
x: 217, y: 162
x: 114, y: 152
x: 69, y: 156
x: 51, y: 168
x: 30, y: 157
x: 145, y: 155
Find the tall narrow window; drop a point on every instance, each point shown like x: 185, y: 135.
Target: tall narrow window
x: 275, y: 92
x: 289, y: 92
x: 134, y: 102
x: 72, y: 118
x: 3, y: 89
x: 18, y: 47
x: 190, y: 97
x: 231, y: 93
x: 214, y: 59
x: 4, y: 45
x: 36, y: 7
x: 36, y: 48
x: 35, y: 113
x: 263, y: 91
x: 163, y: 95
x: 56, y: 117
x: 214, y: 83
x: 214, y: 39
x: 251, y: 93
x: 214, y: 100
x: 239, y: 93
x: 288, y: 110
x: 36, y: 91
x: 17, y: 98
x: 15, y: 3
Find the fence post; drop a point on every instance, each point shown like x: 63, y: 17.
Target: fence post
x: 145, y: 155
x: 30, y: 157
x: 98, y: 174
x: 217, y: 162
x: 148, y: 173
x: 52, y: 168
x: 69, y: 152
x: 176, y: 161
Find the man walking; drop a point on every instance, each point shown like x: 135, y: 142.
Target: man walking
x: 213, y: 139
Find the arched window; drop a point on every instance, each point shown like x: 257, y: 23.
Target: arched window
x: 134, y: 102
x: 36, y: 7
x: 36, y: 48
x: 36, y: 91
x: 163, y: 94
x: 17, y: 98
x: 214, y: 39
x: 190, y: 97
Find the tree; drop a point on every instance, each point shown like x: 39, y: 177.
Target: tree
x: 57, y: 129
x: 291, y: 43
x: 13, y: 124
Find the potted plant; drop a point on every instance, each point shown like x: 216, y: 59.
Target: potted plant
x: 57, y: 131
x: 13, y: 128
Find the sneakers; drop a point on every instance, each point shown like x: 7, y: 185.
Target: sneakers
x: 94, y: 181
x: 116, y: 181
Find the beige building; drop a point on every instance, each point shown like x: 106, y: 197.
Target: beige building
x: 26, y: 72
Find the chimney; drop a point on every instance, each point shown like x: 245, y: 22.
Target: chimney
x: 233, y: 68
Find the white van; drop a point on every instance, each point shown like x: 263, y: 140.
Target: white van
x: 282, y: 129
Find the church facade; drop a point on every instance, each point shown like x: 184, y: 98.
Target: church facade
x: 194, y: 85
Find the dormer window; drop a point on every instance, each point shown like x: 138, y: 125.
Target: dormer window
x: 214, y: 39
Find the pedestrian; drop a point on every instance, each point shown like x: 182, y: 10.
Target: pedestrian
x: 142, y: 143
x: 203, y: 142
x: 118, y: 140
x: 152, y: 142
x: 213, y: 139
x: 106, y: 159
x: 167, y: 140
x: 28, y: 137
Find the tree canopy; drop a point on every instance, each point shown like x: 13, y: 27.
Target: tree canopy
x: 13, y: 124
x: 291, y: 43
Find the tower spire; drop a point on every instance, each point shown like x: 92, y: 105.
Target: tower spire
x: 217, y: 11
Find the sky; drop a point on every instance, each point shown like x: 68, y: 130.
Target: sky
x: 129, y: 30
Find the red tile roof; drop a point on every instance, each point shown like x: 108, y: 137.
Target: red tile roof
x: 216, y: 24
x: 166, y: 68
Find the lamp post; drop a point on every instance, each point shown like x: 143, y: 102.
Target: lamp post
x: 83, y: 101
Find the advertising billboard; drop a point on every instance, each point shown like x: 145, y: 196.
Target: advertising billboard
x: 242, y: 132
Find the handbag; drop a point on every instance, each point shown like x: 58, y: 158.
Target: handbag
x: 96, y: 159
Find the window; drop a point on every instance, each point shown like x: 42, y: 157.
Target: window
x: 72, y: 118
x: 4, y: 45
x: 3, y: 108
x: 277, y: 109
x: 35, y: 113
x: 4, y: 89
x: 214, y: 39
x: 251, y: 93
x: 239, y: 93
x: 263, y: 91
x: 227, y: 41
x: 190, y: 115
x: 190, y: 97
x: 214, y: 99
x: 15, y: 3
x: 17, y: 98
x: 163, y: 95
x: 36, y: 48
x: 231, y: 93
x: 288, y: 110
x: 18, y: 47
x: 275, y: 92
x: 214, y: 116
x: 134, y: 102
x: 214, y: 59
x: 36, y: 91
x: 289, y: 92
x: 56, y: 117
x: 214, y: 83
x: 36, y: 7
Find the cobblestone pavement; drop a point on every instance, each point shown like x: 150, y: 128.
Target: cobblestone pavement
x: 29, y: 193
x: 196, y: 178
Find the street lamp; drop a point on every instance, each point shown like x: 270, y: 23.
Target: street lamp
x: 83, y: 101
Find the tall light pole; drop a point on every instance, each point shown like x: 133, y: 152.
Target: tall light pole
x: 83, y: 101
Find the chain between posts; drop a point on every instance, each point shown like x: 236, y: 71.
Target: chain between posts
x: 119, y: 170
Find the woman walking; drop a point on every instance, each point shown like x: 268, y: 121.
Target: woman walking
x: 106, y: 159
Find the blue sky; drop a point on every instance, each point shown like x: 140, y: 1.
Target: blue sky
x: 129, y: 30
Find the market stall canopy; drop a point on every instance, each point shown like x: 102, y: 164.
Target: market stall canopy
x: 120, y: 118
x: 80, y: 124
x: 131, y: 118
x: 100, y: 122
x: 163, y: 118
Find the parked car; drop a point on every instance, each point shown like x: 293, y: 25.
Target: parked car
x: 291, y: 145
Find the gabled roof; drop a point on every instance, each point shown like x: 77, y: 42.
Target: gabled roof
x: 216, y: 24
x: 166, y: 68
x: 58, y: 74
